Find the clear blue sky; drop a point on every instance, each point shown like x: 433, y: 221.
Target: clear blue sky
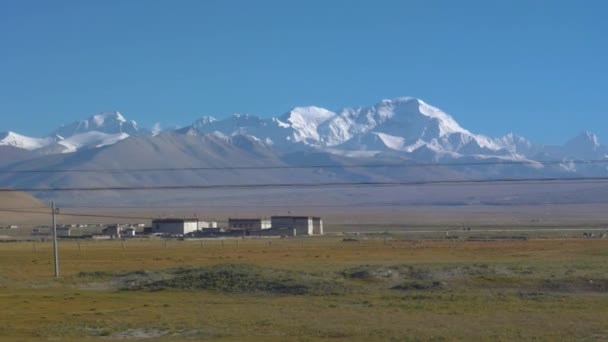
x: 536, y: 68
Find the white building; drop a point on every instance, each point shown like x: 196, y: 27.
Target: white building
x: 207, y: 225
x: 317, y: 226
x: 175, y: 226
x: 248, y: 224
x: 113, y: 230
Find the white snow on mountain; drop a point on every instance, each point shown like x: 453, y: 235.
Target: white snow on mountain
x: 304, y: 122
x: 109, y: 123
x: 21, y: 141
x: 280, y: 123
x: 515, y: 144
x: 272, y: 130
x: 403, y: 126
x: 585, y: 140
x: 97, y: 131
x: 586, y: 145
x: 205, y: 120
x: 156, y: 129
x: 392, y: 142
x: 100, y: 119
x: 91, y: 139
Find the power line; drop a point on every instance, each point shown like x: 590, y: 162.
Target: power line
x: 295, y: 206
x: 238, y: 206
x: 48, y: 211
x: 27, y: 208
x: 314, y: 166
x: 497, y: 181
x: 339, y: 224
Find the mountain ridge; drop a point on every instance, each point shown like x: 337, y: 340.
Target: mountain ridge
x: 404, y: 125
x: 307, y: 145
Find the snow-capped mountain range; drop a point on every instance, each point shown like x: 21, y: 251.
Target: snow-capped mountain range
x: 405, y: 127
x: 239, y: 149
x: 97, y: 131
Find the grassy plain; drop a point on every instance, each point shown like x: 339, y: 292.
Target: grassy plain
x: 369, y: 289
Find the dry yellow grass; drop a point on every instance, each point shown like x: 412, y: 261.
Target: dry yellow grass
x: 493, y: 306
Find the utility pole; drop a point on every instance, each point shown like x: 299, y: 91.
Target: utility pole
x: 55, y: 251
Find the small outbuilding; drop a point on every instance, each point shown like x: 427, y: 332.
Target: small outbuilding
x: 63, y: 232
x: 114, y: 230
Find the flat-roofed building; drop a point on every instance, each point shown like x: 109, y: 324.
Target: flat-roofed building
x: 249, y: 224
x: 113, y: 230
x: 175, y: 226
x: 207, y: 225
x: 303, y: 225
x: 63, y: 232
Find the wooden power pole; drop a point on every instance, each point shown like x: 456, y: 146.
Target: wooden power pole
x: 55, y: 249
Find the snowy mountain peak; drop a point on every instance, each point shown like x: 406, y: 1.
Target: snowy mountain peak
x: 584, y: 140
x: 403, y: 99
x: 101, y: 118
x: 21, y: 141
x: 202, y: 122
x: 305, y: 122
x: 514, y: 143
x: 310, y: 113
x: 205, y: 120
x: 398, y: 101
x: 592, y: 138
x: 404, y: 126
x: 412, y: 112
x: 106, y: 122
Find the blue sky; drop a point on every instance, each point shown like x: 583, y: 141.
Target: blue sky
x: 536, y: 68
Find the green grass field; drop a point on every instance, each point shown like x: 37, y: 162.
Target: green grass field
x: 305, y: 289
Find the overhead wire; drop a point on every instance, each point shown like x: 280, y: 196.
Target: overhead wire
x: 494, y: 181
x: 312, y: 166
x: 342, y: 224
x: 48, y: 212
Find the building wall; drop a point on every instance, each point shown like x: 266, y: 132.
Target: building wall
x: 317, y: 226
x: 190, y: 227
x: 174, y: 227
x: 207, y: 224
x: 113, y: 230
x: 63, y: 232
x: 302, y: 224
x: 249, y: 224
